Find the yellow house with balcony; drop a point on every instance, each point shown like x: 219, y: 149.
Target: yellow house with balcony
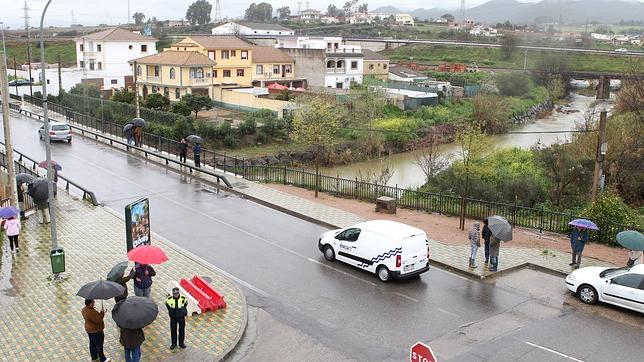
x: 272, y: 65
x: 174, y: 74
x: 232, y: 55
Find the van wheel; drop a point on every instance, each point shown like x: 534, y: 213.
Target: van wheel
x: 329, y: 254
x: 383, y: 274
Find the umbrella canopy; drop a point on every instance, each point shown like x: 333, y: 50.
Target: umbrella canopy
x: 500, y: 227
x: 8, y: 211
x: 102, y: 289
x: 117, y: 271
x: 300, y: 89
x: 147, y: 254
x: 631, y: 239
x: 24, y: 178
x: 127, y: 127
x: 55, y: 165
x: 135, y: 312
x: 195, y: 138
x: 277, y: 86
x: 38, y: 191
x: 584, y: 223
x: 139, y: 122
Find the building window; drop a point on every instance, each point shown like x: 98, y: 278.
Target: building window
x: 259, y: 69
x: 340, y: 64
x: 287, y: 68
x: 114, y: 81
x: 384, y: 66
x: 98, y: 47
x: 100, y: 65
x: 276, y: 69
x: 233, y: 53
x: 226, y: 73
x: 81, y: 47
x: 214, y: 73
x: 166, y: 92
x: 196, y: 73
x: 144, y: 48
x: 240, y: 72
x: 82, y: 64
x: 244, y: 54
x: 225, y: 54
x: 211, y: 55
x: 129, y: 46
x: 173, y: 73
x: 138, y: 70
x: 330, y: 64
x: 156, y: 70
x: 354, y: 65
x: 177, y: 93
x: 370, y: 66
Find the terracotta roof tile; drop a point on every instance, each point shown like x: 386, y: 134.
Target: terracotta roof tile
x: 219, y: 42
x: 116, y: 34
x: 172, y: 57
x: 267, y: 54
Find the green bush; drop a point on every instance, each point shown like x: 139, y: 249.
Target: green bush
x: 513, y: 84
x: 611, y: 214
x: 398, y: 131
x: 224, y: 130
x: 183, y: 127
x: 248, y: 126
x: 230, y: 141
x: 206, y: 129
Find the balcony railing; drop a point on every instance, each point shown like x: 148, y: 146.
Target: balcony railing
x: 200, y: 80
x: 336, y: 70
x: 154, y: 79
x: 90, y: 54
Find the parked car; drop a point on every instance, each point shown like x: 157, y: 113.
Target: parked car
x: 623, y: 287
x: 621, y: 50
x: 389, y: 249
x: 58, y: 131
x: 19, y: 82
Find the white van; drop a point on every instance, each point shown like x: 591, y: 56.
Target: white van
x: 387, y: 248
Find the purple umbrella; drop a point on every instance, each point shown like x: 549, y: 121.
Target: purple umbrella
x: 8, y: 211
x: 583, y: 223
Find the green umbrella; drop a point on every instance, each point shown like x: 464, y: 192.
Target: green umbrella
x: 117, y: 271
x: 631, y: 240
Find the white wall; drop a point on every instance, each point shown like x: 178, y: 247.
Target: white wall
x: 70, y: 78
x: 114, y: 55
x: 234, y: 29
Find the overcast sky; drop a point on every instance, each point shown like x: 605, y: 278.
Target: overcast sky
x: 94, y: 12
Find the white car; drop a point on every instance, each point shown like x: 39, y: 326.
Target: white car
x: 58, y: 131
x: 387, y: 248
x: 621, y: 50
x: 623, y: 287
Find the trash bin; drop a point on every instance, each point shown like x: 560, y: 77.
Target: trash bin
x: 57, y: 257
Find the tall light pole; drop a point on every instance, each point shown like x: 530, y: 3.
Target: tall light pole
x: 4, y: 48
x: 52, y: 201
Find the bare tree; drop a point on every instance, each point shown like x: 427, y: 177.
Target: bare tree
x: 431, y: 159
x: 631, y: 95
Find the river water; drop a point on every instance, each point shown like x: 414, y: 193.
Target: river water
x: 408, y: 174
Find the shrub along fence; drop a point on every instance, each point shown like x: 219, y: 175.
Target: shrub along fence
x: 447, y: 204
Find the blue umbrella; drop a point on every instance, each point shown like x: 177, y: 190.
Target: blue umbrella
x: 584, y: 223
x: 8, y: 211
x: 631, y: 240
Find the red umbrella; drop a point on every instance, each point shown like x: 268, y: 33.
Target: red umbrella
x: 277, y: 86
x: 147, y: 254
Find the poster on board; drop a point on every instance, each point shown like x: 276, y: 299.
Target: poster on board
x: 137, y: 223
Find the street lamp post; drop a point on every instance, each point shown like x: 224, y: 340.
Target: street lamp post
x: 52, y: 201
x: 4, y: 48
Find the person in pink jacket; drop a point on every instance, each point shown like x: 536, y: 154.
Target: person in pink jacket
x: 12, y: 228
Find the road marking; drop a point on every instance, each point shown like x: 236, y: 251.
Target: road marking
x: 406, y: 297
x: 553, y: 351
x: 448, y: 312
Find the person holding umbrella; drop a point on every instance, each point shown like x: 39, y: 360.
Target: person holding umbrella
x: 143, y: 274
x: 94, y: 327
x: 486, y: 234
x: 131, y: 340
x: 495, y: 246
x: 138, y: 133
x: 633, y: 241
x: 196, y: 150
x: 183, y: 150
x: 131, y: 316
x: 500, y: 229
x: 177, y: 309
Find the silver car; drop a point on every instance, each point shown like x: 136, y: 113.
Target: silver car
x: 58, y: 131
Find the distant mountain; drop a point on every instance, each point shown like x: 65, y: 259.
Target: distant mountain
x: 389, y: 10
x: 571, y: 11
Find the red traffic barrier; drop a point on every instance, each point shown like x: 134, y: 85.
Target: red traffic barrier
x: 204, y: 300
x: 217, y: 299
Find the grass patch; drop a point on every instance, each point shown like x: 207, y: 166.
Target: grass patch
x: 53, y: 49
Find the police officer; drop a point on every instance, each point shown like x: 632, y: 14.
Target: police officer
x: 177, y: 310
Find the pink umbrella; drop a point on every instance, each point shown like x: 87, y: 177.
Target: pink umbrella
x: 277, y: 86
x: 147, y: 254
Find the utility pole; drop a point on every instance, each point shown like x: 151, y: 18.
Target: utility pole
x: 15, y: 72
x: 31, y: 86
x: 136, y: 90
x: 8, y: 145
x: 602, y: 90
x: 60, y: 77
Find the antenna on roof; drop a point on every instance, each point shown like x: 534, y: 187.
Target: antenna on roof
x: 299, y: 8
x: 217, y: 12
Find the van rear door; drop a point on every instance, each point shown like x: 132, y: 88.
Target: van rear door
x: 414, y: 253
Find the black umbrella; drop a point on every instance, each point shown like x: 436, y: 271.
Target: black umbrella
x: 128, y: 127
x: 39, y: 192
x: 139, y: 122
x: 500, y: 227
x: 24, y: 178
x: 135, y: 312
x: 117, y: 271
x: 195, y: 138
x: 101, y: 289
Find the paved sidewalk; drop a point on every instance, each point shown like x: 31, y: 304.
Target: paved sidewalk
x: 41, y: 320
x: 449, y: 256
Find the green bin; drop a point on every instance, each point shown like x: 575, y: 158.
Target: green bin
x: 57, y: 257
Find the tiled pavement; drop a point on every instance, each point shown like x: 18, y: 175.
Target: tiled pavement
x: 450, y: 256
x: 41, y: 320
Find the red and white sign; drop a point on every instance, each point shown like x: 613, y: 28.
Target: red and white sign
x: 420, y: 352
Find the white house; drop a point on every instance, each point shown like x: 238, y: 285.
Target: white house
x: 310, y: 15
x: 404, y: 19
x: 105, y: 54
x: 344, y: 66
x: 247, y: 28
x: 404, y: 74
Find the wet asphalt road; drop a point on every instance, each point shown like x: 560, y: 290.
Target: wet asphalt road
x: 275, y: 258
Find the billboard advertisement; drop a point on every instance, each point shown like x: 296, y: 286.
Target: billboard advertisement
x: 137, y: 223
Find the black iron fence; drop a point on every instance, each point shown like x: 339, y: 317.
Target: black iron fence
x: 442, y: 203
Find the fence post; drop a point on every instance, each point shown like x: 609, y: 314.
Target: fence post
x: 440, y: 203
x: 541, y: 220
x: 417, y: 198
x: 243, y: 167
x: 159, y: 143
x: 224, y: 167
x: 337, y: 183
x: 265, y: 170
x: 355, y: 189
x: 284, y: 174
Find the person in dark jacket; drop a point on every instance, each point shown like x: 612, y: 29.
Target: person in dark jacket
x: 196, y: 150
x: 143, y: 279
x: 183, y: 150
x: 177, y: 309
x: 123, y: 281
x: 22, y: 188
x: 578, y: 239
x: 486, y: 234
x: 131, y: 340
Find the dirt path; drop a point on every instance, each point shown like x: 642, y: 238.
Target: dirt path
x: 445, y: 228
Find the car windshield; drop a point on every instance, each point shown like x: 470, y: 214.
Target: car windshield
x: 613, y: 271
x: 61, y: 127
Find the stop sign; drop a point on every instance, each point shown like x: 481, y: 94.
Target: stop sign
x: 420, y: 352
